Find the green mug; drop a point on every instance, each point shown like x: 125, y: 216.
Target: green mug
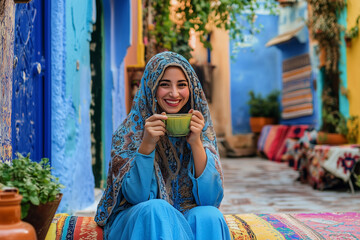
x: 178, y: 125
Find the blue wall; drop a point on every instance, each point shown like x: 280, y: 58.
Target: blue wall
x: 292, y: 17
x: 117, y: 20
x: 255, y: 67
x: 71, y: 28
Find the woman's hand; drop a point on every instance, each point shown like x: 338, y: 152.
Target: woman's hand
x: 154, y: 128
x: 197, y: 124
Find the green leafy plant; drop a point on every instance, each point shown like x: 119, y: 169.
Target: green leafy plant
x: 353, y: 129
x: 268, y: 106
x: 354, y: 31
x: 34, y: 180
x: 167, y: 26
x: 357, y: 180
x: 349, y: 127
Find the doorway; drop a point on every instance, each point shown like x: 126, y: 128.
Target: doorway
x: 30, y: 118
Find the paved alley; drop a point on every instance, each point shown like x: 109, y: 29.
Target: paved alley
x: 256, y: 185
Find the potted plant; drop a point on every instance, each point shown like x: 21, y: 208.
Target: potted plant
x: 263, y: 110
x: 336, y: 129
x: 352, y: 33
x: 39, y: 188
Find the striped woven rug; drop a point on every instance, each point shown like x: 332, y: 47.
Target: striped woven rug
x: 297, y: 99
x: 281, y: 226
x: 277, y: 226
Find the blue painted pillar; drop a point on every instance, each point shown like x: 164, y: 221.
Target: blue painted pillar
x: 117, y: 23
x: 343, y: 101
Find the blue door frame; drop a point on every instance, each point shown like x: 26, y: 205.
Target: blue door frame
x: 31, y: 101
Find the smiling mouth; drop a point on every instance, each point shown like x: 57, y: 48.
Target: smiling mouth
x: 173, y: 103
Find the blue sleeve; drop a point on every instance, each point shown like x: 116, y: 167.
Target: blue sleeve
x: 139, y: 183
x: 207, y: 188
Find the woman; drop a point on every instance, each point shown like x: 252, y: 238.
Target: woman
x: 162, y: 187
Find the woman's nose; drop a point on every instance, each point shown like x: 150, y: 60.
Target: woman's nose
x: 174, y: 92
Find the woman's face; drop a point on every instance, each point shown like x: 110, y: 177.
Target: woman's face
x: 173, y: 90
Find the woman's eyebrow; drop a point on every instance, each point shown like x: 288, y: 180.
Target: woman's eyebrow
x: 166, y: 80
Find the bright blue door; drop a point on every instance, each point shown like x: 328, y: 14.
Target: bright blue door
x: 29, y: 125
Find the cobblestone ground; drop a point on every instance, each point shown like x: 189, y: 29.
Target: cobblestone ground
x: 255, y: 185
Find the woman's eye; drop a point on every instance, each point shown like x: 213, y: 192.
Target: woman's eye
x: 164, y: 84
x: 182, y: 85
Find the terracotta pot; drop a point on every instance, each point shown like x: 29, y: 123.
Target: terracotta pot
x: 11, y: 227
x: 41, y: 216
x: 257, y: 123
x: 348, y: 41
x: 330, y: 138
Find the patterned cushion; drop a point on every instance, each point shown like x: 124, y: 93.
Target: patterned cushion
x: 67, y: 227
x: 242, y: 226
x: 294, y: 132
x: 274, y: 140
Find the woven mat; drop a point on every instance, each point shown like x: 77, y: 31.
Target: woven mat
x: 242, y: 226
x: 295, y: 226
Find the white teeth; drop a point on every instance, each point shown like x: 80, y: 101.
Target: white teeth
x: 172, y: 102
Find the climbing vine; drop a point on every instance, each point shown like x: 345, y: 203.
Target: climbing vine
x: 325, y: 29
x: 167, y: 23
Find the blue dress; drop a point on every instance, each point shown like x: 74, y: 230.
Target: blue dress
x: 154, y: 218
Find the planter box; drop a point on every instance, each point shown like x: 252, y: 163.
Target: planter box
x: 40, y: 217
x: 257, y: 123
x: 330, y: 138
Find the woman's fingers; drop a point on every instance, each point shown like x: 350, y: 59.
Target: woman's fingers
x: 156, y: 133
x: 194, y: 127
x: 157, y: 128
x: 197, y: 120
x: 197, y: 114
x: 156, y: 117
x: 154, y: 123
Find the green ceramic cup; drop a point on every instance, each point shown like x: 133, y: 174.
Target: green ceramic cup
x: 177, y: 125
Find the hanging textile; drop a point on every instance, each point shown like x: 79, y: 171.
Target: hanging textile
x: 297, y: 97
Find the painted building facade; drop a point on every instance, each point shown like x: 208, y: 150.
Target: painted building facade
x: 291, y: 39
x: 255, y: 67
x: 292, y: 24
x: 61, y: 128
x: 352, y: 61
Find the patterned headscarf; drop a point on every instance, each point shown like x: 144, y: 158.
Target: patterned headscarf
x: 173, y: 159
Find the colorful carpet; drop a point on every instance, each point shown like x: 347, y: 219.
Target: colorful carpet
x: 309, y: 226
x: 294, y: 226
x: 66, y: 227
